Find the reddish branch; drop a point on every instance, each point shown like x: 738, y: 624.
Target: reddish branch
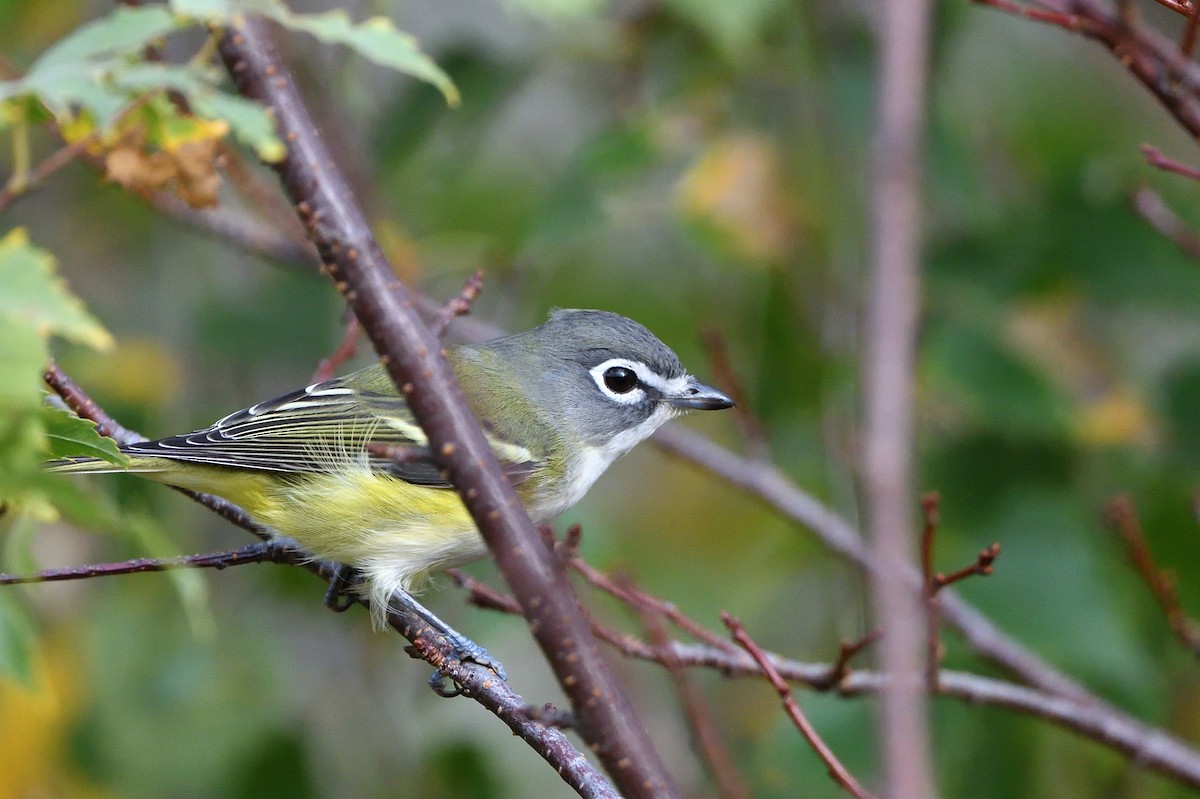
x: 836, y: 770
x: 1159, y: 160
x: 769, y: 484
x: 839, y: 670
x: 457, y: 306
x: 328, y: 367
x: 933, y: 582
x: 412, y: 356
x: 701, y: 721
x: 1147, y: 746
x: 719, y: 363
x: 1123, y: 519
x: 1151, y: 207
x: 1154, y: 61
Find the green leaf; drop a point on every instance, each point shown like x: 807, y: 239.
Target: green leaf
x: 31, y: 292
x: 376, y: 39
x: 68, y: 436
x: 23, y: 356
x: 125, y: 30
x: 248, y: 120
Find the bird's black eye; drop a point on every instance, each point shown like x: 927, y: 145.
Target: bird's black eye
x: 620, y: 380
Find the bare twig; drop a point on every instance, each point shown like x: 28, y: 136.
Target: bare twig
x: 261, y: 552
x: 1188, y: 43
x: 1154, y: 61
x: 1159, y: 160
x: 709, y: 740
x: 836, y: 770
x: 982, y: 567
x: 1151, y: 207
x: 412, y: 356
x: 767, y: 482
x: 839, y: 670
x: 457, y: 306
x: 1070, y: 22
x: 641, y: 601
x: 19, y: 185
x: 1145, y: 746
x: 1123, y: 519
x: 345, y: 351
x: 933, y: 583
x: 753, y: 434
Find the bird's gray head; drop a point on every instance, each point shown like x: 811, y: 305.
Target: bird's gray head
x: 606, y: 378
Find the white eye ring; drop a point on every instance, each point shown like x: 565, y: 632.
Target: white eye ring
x: 631, y: 397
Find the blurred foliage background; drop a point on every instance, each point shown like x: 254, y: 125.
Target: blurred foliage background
x: 696, y: 165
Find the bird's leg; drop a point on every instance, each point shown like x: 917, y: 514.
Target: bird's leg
x: 339, y: 597
x: 464, y: 648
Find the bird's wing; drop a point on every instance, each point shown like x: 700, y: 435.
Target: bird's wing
x: 318, y: 429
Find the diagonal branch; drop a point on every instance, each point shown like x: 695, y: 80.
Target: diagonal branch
x: 412, y: 356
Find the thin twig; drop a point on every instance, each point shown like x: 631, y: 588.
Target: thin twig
x: 641, y: 601
x: 1159, y: 160
x: 754, y: 435
x: 931, y: 508
x: 1070, y: 22
x: 839, y: 670
x: 459, y: 305
x: 261, y: 552
x: 59, y: 159
x: 1146, y: 746
x: 933, y: 582
x: 836, y: 770
x: 701, y: 721
x: 768, y: 483
x: 345, y: 351
x: 1151, y: 207
x: 982, y: 567
x: 1123, y: 520
x: 1188, y: 43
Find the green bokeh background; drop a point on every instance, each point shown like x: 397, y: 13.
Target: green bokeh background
x: 696, y: 165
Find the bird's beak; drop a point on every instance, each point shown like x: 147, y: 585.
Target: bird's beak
x: 700, y: 397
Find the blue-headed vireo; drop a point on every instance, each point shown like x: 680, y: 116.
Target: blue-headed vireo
x: 559, y: 403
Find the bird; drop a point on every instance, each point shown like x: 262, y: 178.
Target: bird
x: 342, y: 468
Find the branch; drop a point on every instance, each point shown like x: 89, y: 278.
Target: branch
x: 1123, y: 520
x: 1151, y: 207
x: 412, y: 356
x: 327, y: 367
x: 1153, y: 60
x: 933, y: 583
x: 769, y: 484
x: 457, y: 306
x: 708, y: 738
x: 888, y: 376
x: 1159, y: 160
x: 836, y: 770
x: 1145, y: 746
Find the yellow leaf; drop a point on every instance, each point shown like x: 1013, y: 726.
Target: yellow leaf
x: 734, y: 187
